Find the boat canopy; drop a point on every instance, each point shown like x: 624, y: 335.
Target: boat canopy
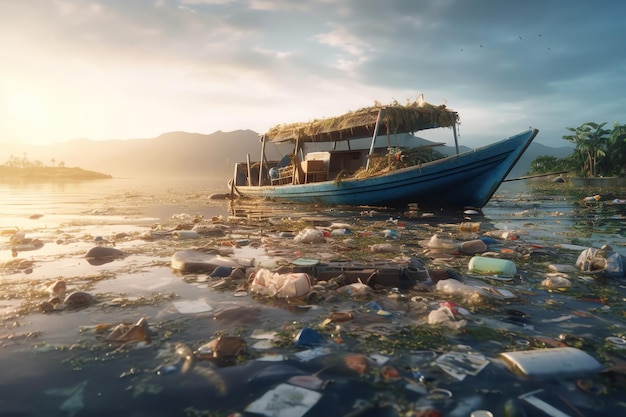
x: 391, y: 119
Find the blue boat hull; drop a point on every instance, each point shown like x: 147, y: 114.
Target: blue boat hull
x: 466, y: 179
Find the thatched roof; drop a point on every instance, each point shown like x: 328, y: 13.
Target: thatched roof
x: 397, y: 118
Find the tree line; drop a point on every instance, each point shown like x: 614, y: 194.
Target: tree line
x: 598, y: 152
x: 24, y: 162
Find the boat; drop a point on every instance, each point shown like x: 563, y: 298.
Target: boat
x: 326, y: 167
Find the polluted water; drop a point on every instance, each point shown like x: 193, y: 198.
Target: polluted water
x: 124, y: 299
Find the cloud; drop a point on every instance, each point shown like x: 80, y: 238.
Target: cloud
x: 104, y: 69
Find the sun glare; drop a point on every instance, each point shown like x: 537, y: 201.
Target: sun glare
x: 25, y: 107
x: 27, y: 114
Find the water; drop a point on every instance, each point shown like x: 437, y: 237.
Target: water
x: 56, y: 364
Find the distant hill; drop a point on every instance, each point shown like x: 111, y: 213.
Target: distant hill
x: 189, y: 155
x: 174, y: 154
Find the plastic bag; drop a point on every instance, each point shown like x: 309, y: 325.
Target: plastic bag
x: 470, y: 294
x: 310, y: 236
x: 603, y: 261
x: 444, y: 317
x: 556, y: 281
x: 265, y: 282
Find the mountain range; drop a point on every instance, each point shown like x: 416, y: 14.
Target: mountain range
x: 185, y: 155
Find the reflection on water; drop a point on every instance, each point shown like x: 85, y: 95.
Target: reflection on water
x: 556, y: 212
x: 21, y: 200
x: 57, y: 364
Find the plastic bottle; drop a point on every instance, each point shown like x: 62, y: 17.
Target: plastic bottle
x: 473, y: 246
x: 491, y: 266
x: 469, y: 227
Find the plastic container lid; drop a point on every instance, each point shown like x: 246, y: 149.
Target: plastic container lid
x: 481, y: 413
x: 618, y: 341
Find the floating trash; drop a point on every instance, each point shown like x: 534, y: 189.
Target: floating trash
x: 469, y: 226
x: 383, y: 247
x: 187, y: 356
x: 556, y: 282
x: 553, y: 361
x: 78, y: 299
x: 265, y: 282
x: 491, y: 266
x: 439, y: 394
x: 307, y: 355
x: 223, y: 350
x: 444, y: 317
x: 473, y: 246
x: 591, y: 387
x: 309, y: 337
x: 221, y: 271
x: 357, y: 362
x: 460, y: 364
x: 75, y: 400
x: 127, y: 333
x: 337, y: 317
x: 100, y: 255
x: 310, y: 236
x: 592, y: 198
x: 543, y: 405
x: 186, y: 234
x: 603, y: 261
x: 198, y: 261
x: 285, y: 401
x: 305, y: 262
x: 307, y: 381
x: 616, y: 341
x: 481, y: 413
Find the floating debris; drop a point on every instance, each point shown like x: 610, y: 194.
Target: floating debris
x: 78, y: 299
x: 130, y: 333
x: 223, y: 350
x: 285, y: 400
x: 74, y: 402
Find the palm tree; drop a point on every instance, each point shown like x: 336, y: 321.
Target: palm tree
x: 591, y: 143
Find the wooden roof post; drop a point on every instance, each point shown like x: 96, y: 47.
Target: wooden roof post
x: 249, y: 169
x: 456, y: 139
x: 381, y: 113
x: 295, y: 179
x: 262, y: 159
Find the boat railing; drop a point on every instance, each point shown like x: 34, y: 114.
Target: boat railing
x: 282, y: 175
x: 308, y: 171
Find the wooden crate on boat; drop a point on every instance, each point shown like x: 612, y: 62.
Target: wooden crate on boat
x: 314, y: 171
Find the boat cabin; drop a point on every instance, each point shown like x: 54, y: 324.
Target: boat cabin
x: 315, y: 167
x: 340, y: 158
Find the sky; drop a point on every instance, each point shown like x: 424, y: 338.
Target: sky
x: 119, y: 69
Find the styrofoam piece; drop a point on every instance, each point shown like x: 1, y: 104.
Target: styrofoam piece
x: 552, y: 361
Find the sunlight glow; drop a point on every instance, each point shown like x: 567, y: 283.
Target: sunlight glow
x: 24, y: 106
